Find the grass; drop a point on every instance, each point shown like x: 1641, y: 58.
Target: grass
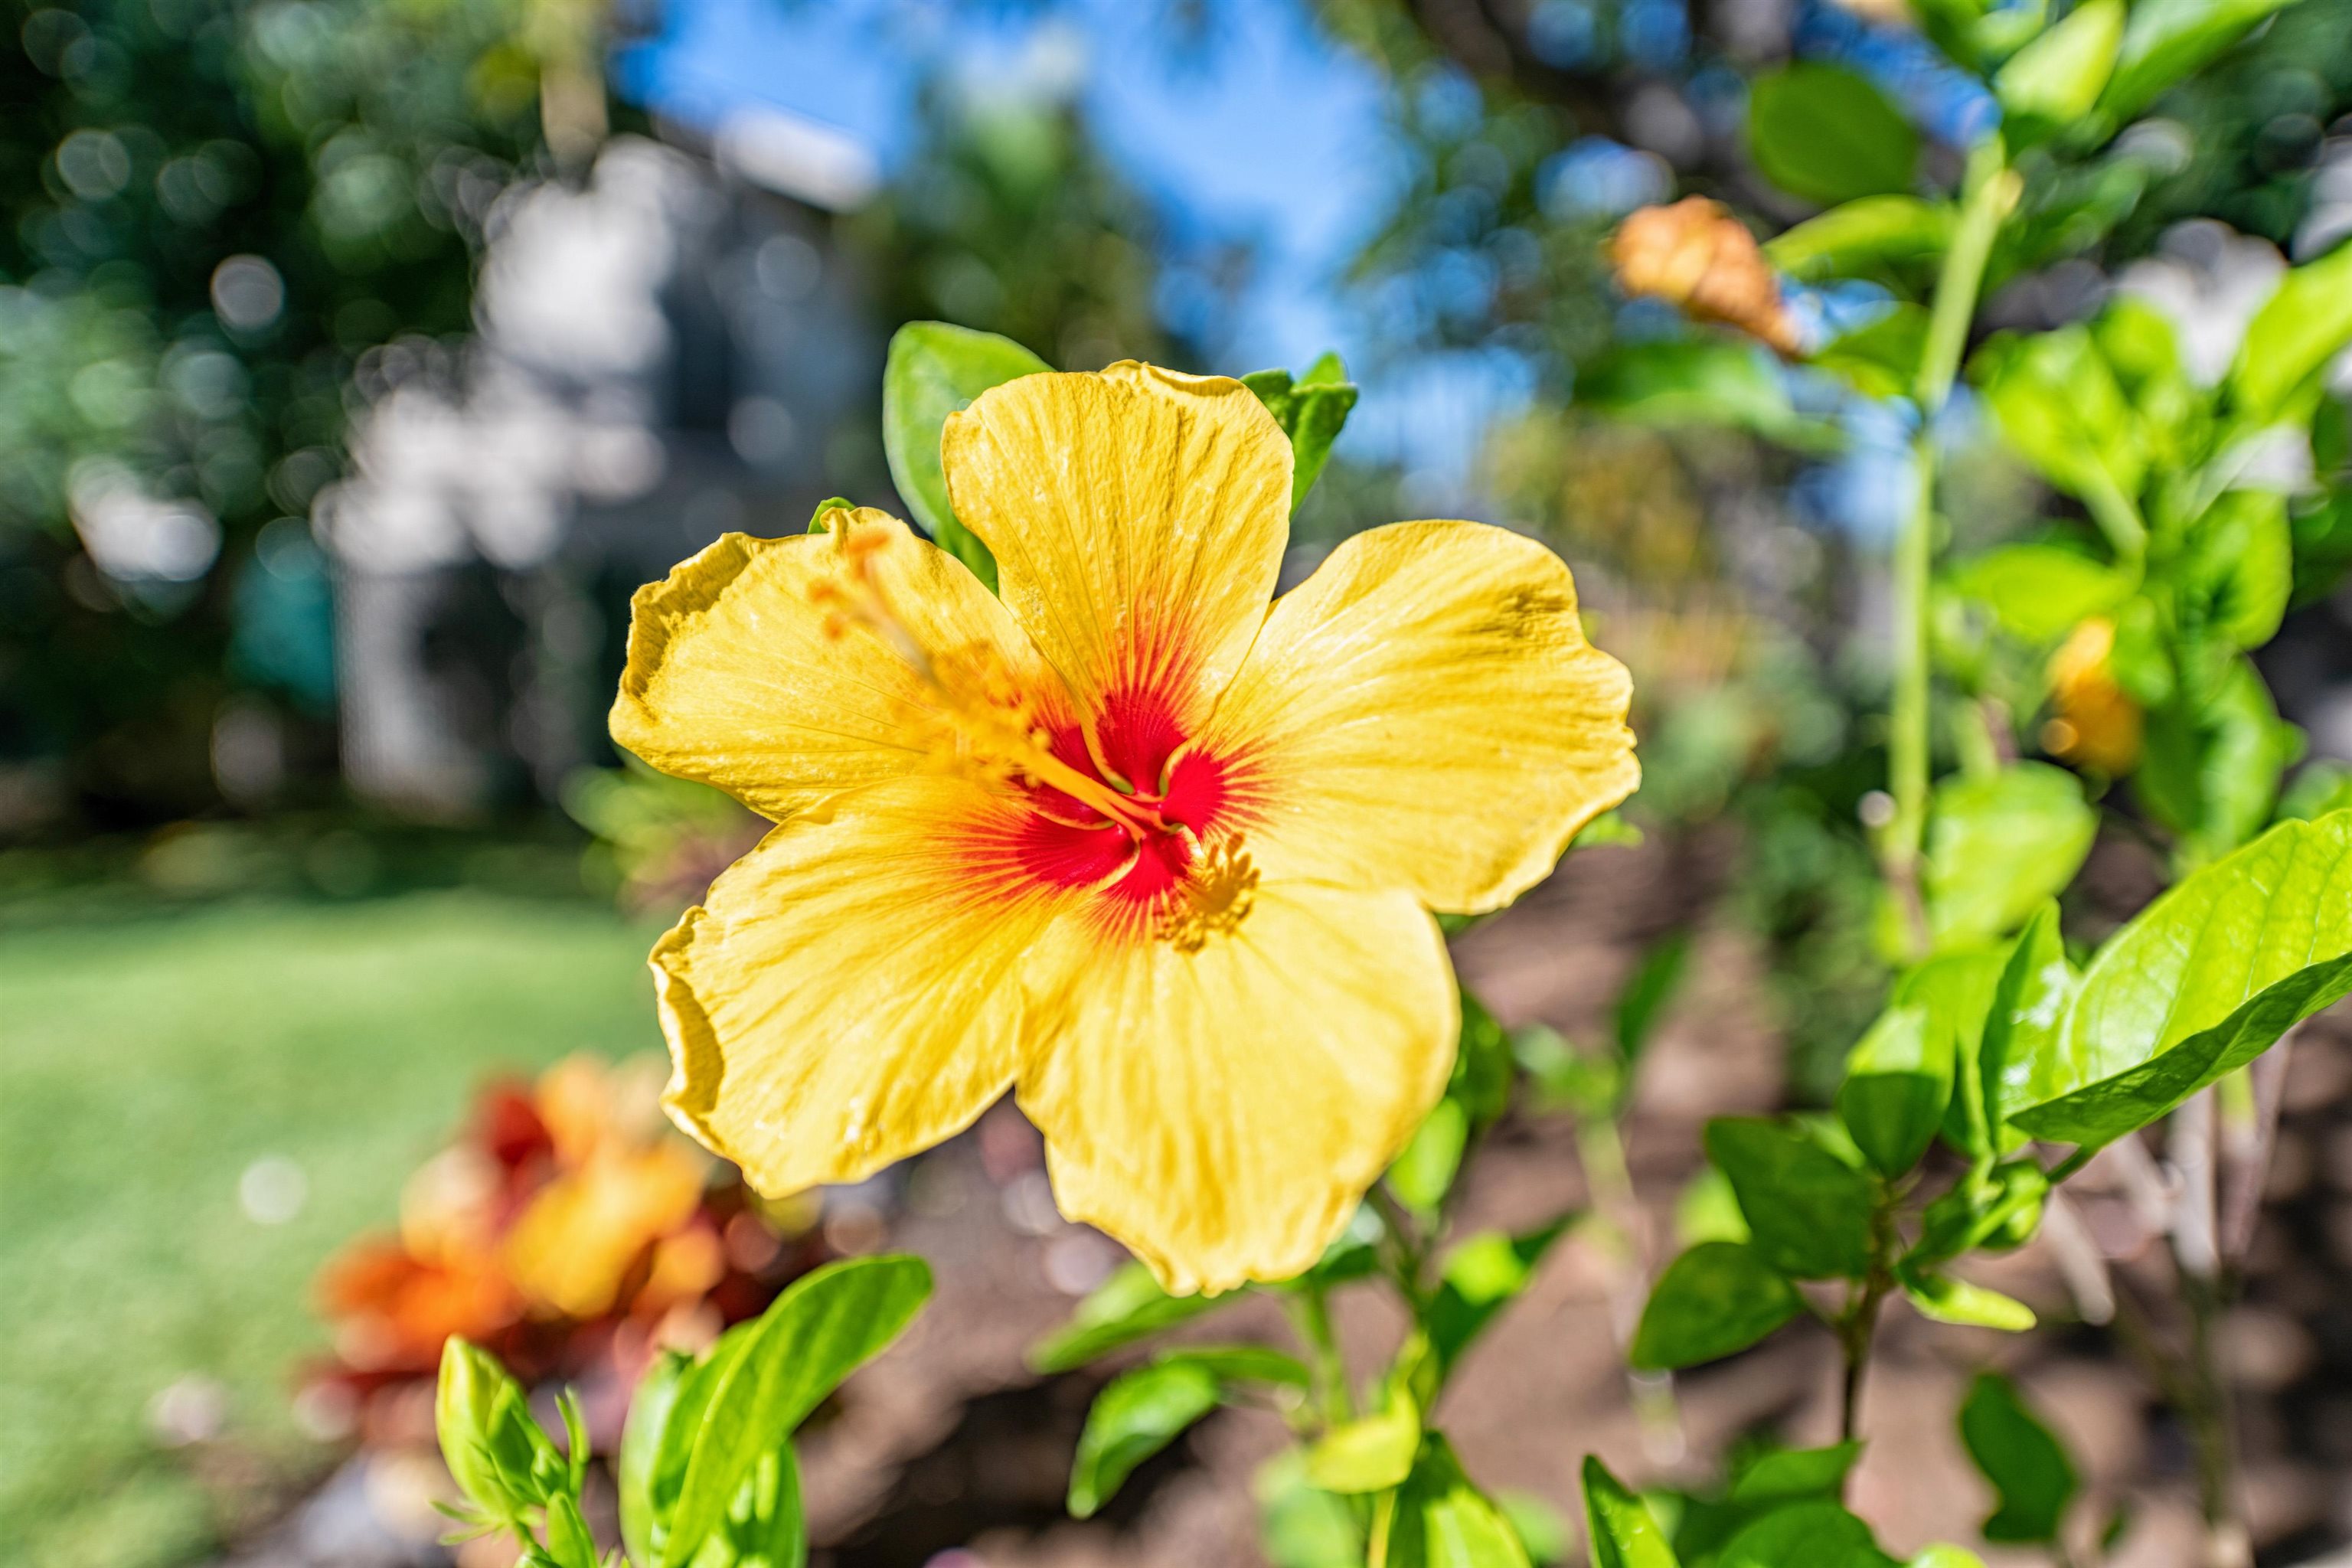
x: 146, y: 1062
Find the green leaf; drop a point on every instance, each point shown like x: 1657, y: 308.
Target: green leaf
x: 1482, y: 1276
x: 2056, y: 79
x: 1623, y: 1531
x: 1863, y: 236
x: 1998, y: 845
x: 1438, y: 1520
x: 2234, y: 578
x: 1814, y: 1534
x: 1956, y: 990
x: 650, y: 1409
x: 2201, y: 982
x: 1996, y: 1210
x: 1718, y: 1297
x: 1945, y: 1300
x: 1808, y: 1212
x: 820, y: 520
x: 1944, y: 1556
x: 1311, y: 410
x: 1481, y: 1080
x: 2028, y: 1467
x: 1792, y: 1473
x: 2059, y: 405
x: 1708, y: 1210
x: 2038, y: 593
x: 935, y: 370
x: 569, y: 1542
x: 2018, y: 1063
x: 1123, y: 1308
x: 1703, y: 380
x: 1825, y: 133
x: 2166, y: 40
x: 1880, y: 359
x: 1898, y: 1079
x: 1652, y: 987
x: 1424, y: 1172
x: 2210, y: 774
x: 496, y: 1451
x: 1538, y: 1525
x: 1137, y: 1415
x: 1368, y: 1455
x: 824, y: 1326
x: 765, y: 1526
x: 1302, y: 1526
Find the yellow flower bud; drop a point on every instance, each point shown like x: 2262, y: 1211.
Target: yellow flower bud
x: 2097, y: 724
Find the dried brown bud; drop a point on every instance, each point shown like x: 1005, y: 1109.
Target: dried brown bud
x: 1697, y: 255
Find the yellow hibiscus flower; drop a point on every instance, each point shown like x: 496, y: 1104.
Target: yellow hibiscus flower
x: 1137, y: 841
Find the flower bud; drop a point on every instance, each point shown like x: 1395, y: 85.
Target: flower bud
x: 495, y: 1450
x: 1696, y: 255
x: 2097, y: 724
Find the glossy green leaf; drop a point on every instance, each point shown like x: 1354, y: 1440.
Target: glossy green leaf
x: 2209, y: 773
x: 1792, y: 1473
x: 1438, y: 1520
x: 2166, y: 40
x: 2059, y: 405
x: 824, y: 1326
x: 2201, y: 982
x: 2057, y: 77
x: 1808, y: 1212
x: 1620, y: 1526
x: 1898, y: 1079
x: 1826, y: 133
x: 1945, y: 1300
x: 1861, y: 237
x: 1718, y: 1297
x: 2020, y: 1063
x: 673, y: 1441
x: 1540, y: 1527
x: 766, y: 1526
x: 1482, y: 1276
x: 1998, y: 845
x: 1819, y: 1534
x: 2038, y: 593
x: 820, y: 519
x: 1138, y: 1414
x: 650, y: 1409
x: 569, y: 1542
x: 1123, y: 1308
x: 935, y: 370
x: 1880, y: 359
x: 1311, y: 410
x: 2028, y: 1467
x: 1371, y: 1454
x: 1701, y: 381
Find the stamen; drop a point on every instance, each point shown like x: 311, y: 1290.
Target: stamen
x: 990, y: 719
x: 1215, y: 897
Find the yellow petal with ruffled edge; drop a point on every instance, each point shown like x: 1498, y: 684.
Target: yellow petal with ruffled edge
x: 733, y: 678
x: 846, y: 997
x: 1424, y: 713
x: 1220, y: 1104
x: 1137, y: 518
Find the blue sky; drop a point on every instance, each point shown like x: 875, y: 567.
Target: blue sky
x: 1262, y: 130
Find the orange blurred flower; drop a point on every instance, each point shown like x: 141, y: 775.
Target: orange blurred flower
x: 1695, y: 254
x: 2097, y: 724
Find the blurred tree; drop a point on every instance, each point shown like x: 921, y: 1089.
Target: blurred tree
x: 211, y: 211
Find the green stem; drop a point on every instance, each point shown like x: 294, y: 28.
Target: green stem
x: 1311, y: 1314
x: 1989, y: 192
x: 1858, y: 1327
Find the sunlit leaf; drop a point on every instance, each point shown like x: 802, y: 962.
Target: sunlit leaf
x: 2165, y: 41
x: 1791, y: 1473
x: 2028, y: 1467
x: 935, y: 370
x: 2201, y: 982
x: 1826, y: 133
x: 1808, y: 1212
x: 1482, y: 1276
x: 650, y: 1408
x: 1301, y: 1525
x: 2056, y: 79
x: 1861, y: 235
x: 1311, y: 410
x: 1621, y: 1531
x: 1998, y: 844
x: 1819, y: 1534
x: 1138, y: 1414
x: 1718, y: 1297
x: 1438, y: 1520
x: 1371, y: 1454
x: 1898, y: 1079
x: 1123, y: 1308
x: 1949, y: 1301
x: 2038, y: 593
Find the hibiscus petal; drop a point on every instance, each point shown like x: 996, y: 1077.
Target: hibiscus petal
x: 1219, y: 1106
x: 1424, y: 713
x: 1137, y: 518
x: 844, y: 998
x: 734, y: 679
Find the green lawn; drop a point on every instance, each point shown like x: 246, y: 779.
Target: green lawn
x: 145, y: 1063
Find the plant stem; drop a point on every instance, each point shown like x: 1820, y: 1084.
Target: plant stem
x: 1311, y: 1314
x: 1858, y: 1327
x: 1990, y: 192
